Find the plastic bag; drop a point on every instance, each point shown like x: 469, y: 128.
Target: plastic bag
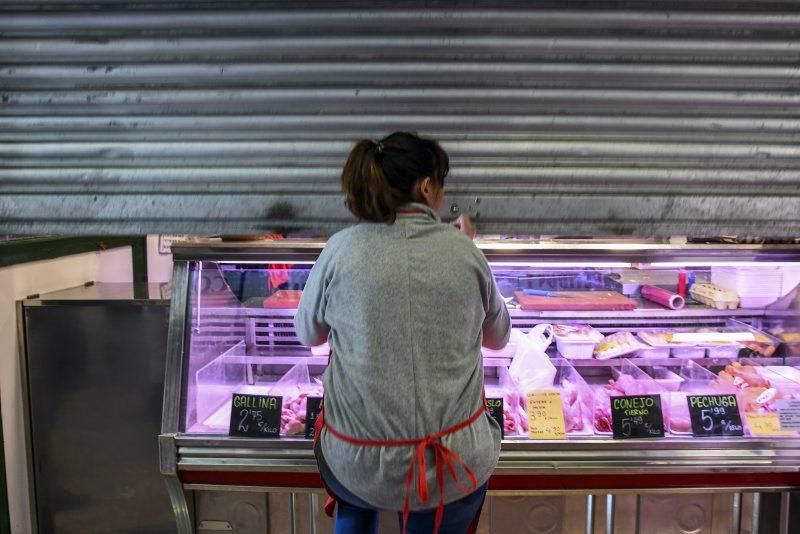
x: 531, y: 368
x: 295, y: 387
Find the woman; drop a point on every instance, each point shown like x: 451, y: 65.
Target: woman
x: 405, y: 303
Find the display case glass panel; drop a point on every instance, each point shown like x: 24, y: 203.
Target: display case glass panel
x: 610, y: 326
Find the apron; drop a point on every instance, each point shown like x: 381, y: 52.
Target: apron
x: 444, y: 458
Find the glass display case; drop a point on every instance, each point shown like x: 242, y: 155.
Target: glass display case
x: 616, y: 320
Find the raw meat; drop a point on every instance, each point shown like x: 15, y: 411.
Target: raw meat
x: 293, y: 415
x: 624, y: 385
x: 572, y: 406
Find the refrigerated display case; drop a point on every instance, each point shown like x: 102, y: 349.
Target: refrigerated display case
x: 232, y: 332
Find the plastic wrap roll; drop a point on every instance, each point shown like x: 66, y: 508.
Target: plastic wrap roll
x: 664, y: 297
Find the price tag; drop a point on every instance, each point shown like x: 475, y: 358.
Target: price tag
x: 495, y: 407
x: 255, y: 416
x: 766, y: 424
x: 545, y: 415
x: 715, y: 415
x: 313, y: 407
x: 789, y: 414
x: 637, y: 416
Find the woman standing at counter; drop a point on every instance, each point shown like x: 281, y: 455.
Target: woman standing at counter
x: 405, y: 303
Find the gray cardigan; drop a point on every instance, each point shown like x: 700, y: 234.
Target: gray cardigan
x: 405, y: 308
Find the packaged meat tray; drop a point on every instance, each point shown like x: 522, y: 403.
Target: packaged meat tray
x: 694, y: 380
x: 576, y: 341
x: 622, y: 379
x: 762, y: 345
x: 663, y: 345
x: 619, y: 344
x: 705, y: 345
x: 577, y: 401
x: 790, y: 336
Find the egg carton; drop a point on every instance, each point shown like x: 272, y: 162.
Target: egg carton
x: 715, y: 296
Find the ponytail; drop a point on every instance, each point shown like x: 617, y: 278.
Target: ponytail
x: 380, y: 177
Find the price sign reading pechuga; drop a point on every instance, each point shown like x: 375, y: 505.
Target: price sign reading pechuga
x: 495, y: 407
x: 715, y: 415
x: 255, y: 416
x: 637, y: 416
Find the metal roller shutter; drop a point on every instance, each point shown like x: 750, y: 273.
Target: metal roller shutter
x: 231, y: 117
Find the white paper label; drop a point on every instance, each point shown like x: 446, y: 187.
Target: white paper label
x: 789, y: 414
x: 165, y: 242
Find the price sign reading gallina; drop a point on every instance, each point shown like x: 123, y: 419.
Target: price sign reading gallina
x: 495, y: 407
x: 637, y: 416
x: 715, y: 415
x: 255, y: 416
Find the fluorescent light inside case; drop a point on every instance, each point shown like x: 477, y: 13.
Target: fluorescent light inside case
x: 561, y: 265
x: 700, y: 263
x: 268, y: 262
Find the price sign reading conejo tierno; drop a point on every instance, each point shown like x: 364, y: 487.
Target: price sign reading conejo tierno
x: 495, y: 407
x: 255, y: 416
x: 715, y: 415
x: 313, y: 407
x: 637, y: 416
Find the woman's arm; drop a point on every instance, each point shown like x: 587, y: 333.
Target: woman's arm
x: 497, y: 324
x: 310, y: 319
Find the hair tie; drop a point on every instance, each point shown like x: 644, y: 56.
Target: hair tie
x: 379, y: 147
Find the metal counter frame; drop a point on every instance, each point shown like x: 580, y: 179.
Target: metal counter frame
x: 590, y: 466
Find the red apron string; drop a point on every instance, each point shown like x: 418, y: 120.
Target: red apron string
x: 443, y: 457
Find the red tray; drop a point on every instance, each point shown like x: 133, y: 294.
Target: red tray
x: 284, y: 298
x: 576, y: 301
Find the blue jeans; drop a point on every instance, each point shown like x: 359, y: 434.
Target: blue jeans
x: 354, y: 516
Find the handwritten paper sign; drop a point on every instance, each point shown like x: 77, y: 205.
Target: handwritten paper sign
x: 766, y: 424
x: 255, y: 416
x: 313, y: 407
x: 495, y: 407
x: 637, y: 416
x: 789, y: 414
x: 545, y: 415
x: 715, y: 415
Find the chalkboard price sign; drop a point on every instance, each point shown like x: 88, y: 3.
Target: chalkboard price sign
x: 313, y: 407
x: 495, y: 407
x: 255, y: 416
x: 637, y: 416
x: 715, y: 415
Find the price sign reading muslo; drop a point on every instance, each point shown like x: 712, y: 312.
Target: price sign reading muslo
x: 313, y: 407
x: 637, y: 416
x: 255, y: 416
x: 495, y: 407
x: 715, y: 415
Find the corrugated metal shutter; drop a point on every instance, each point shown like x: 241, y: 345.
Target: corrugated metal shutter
x: 117, y: 116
